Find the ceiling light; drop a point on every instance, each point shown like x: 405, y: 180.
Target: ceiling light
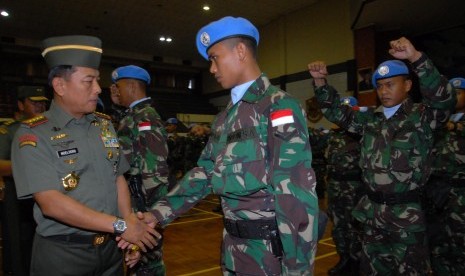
x: 162, y: 38
x: 206, y: 8
x: 168, y: 39
x: 4, y: 13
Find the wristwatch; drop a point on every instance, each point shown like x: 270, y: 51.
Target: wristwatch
x: 119, y: 226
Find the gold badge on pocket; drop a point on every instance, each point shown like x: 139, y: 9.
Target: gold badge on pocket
x: 70, y: 181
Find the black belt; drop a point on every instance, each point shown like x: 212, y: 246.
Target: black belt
x: 412, y: 196
x: 264, y: 229
x: 96, y: 239
x: 252, y: 229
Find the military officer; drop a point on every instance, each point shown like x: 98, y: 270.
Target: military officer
x: 143, y: 140
x: 446, y: 192
x: 17, y: 220
x: 258, y: 160
x: 395, y: 150
x: 344, y: 192
x: 69, y: 160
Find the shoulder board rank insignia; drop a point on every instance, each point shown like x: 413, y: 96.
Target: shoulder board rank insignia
x: 9, y: 122
x: 3, y: 130
x: 102, y: 115
x: 33, y: 122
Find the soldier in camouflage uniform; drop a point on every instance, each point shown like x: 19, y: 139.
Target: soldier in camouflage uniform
x: 143, y: 139
x: 258, y: 160
x: 17, y: 220
x: 446, y: 193
x: 395, y: 149
x: 344, y: 192
x: 319, y: 143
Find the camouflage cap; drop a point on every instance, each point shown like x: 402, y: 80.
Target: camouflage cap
x: 75, y: 50
x: 33, y: 93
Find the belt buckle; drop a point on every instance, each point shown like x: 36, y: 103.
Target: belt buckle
x: 99, y: 239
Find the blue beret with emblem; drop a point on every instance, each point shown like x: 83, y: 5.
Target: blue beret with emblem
x: 226, y: 27
x: 350, y: 101
x: 389, y: 69
x: 172, y: 121
x: 130, y: 72
x: 458, y: 83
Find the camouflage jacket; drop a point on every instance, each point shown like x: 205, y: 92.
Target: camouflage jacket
x: 395, y: 152
x: 259, y: 163
x: 343, y: 153
x: 449, y: 153
x: 143, y: 140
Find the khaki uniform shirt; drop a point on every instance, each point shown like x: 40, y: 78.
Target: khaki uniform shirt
x: 56, y: 150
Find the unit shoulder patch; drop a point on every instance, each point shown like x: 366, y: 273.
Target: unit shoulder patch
x: 33, y: 122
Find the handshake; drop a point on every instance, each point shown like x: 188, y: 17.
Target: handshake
x: 140, y: 233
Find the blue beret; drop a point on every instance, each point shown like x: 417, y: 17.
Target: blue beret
x: 130, y: 72
x: 226, y: 27
x: 173, y: 121
x: 389, y: 69
x: 350, y: 101
x: 458, y: 83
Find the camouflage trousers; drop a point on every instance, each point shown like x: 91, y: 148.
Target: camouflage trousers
x: 342, y: 198
x: 151, y: 263
x: 394, y: 253
x: 446, y: 232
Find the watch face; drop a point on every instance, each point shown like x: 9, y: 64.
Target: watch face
x: 120, y: 226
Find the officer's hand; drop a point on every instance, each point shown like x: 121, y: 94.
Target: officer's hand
x: 402, y: 48
x: 132, y: 257
x: 140, y: 233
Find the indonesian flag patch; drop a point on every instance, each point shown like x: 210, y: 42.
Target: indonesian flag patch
x: 144, y: 126
x: 281, y: 117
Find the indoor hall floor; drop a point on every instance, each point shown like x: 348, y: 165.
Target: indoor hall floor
x: 192, y: 243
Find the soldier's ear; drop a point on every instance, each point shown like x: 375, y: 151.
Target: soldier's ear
x: 58, y: 85
x: 20, y: 106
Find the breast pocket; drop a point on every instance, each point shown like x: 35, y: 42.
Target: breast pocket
x: 69, y: 171
x: 243, y: 170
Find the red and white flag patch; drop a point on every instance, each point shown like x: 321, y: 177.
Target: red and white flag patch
x: 281, y: 117
x: 144, y: 126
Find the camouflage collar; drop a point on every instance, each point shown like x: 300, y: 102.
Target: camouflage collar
x: 257, y: 89
x: 141, y: 105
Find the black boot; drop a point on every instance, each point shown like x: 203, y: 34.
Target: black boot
x: 343, y: 267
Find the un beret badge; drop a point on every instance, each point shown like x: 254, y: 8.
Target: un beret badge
x: 457, y: 83
x: 114, y: 74
x: 205, y: 39
x: 383, y: 70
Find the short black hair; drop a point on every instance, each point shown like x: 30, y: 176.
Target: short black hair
x: 249, y: 42
x: 61, y: 71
